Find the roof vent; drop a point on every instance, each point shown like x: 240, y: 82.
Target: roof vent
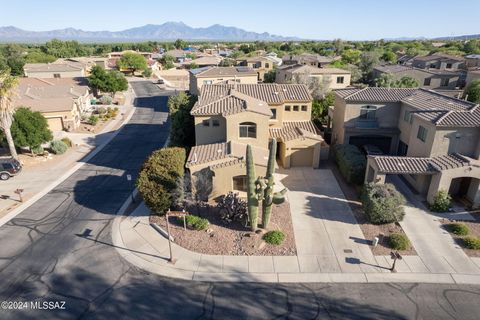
x: 219, y: 151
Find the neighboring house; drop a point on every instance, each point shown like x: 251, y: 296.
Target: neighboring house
x: 426, y: 78
x: 274, y: 58
x: 178, y: 55
x: 214, y: 75
x: 85, y: 62
x: 118, y: 55
x: 61, y: 101
x: 205, y: 61
x: 472, y: 75
x: 472, y: 61
x: 330, y: 78
x: 260, y: 64
x: 439, y: 61
x: 54, y: 70
x: 314, y: 60
x: 433, y: 140
x: 228, y: 117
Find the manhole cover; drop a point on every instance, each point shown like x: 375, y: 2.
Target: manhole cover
x: 347, y: 250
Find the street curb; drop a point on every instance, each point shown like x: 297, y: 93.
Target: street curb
x: 12, y: 214
x: 161, y: 231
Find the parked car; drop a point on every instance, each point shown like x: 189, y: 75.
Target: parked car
x: 371, y: 150
x: 160, y: 81
x: 9, y: 167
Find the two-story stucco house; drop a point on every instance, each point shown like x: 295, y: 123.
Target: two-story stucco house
x: 214, y: 75
x: 53, y: 70
x: 260, y: 64
x: 329, y: 78
x: 314, y: 60
x: 433, y: 140
x: 229, y: 117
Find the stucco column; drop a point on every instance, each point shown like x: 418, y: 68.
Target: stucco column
x: 439, y: 182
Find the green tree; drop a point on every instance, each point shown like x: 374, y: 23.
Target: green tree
x: 389, y: 56
x: 180, y: 44
x: 320, y: 107
x: 473, y: 91
x: 406, y: 82
x: 182, y: 131
x: 7, y: 110
x: 107, y: 81
x: 351, y: 56
x: 269, y: 77
x: 132, y: 61
x: 385, y: 80
x: 15, y: 59
x: 368, y: 60
x: 193, y: 65
x: 30, y: 128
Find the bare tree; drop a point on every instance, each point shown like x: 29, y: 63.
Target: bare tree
x: 7, y: 84
x: 318, y: 86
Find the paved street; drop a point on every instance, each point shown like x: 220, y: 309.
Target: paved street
x: 46, y: 255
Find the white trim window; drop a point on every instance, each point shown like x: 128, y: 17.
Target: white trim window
x: 248, y: 130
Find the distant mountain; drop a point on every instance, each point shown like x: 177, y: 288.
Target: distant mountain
x: 167, y: 31
x: 465, y: 37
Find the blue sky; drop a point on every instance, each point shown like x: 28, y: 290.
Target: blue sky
x: 315, y: 19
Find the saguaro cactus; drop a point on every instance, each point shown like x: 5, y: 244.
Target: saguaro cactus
x: 268, y: 191
x: 252, y: 196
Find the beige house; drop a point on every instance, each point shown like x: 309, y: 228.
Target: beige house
x: 61, y: 101
x: 205, y: 61
x: 472, y: 61
x: 214, y: 75
x: 431, y: 139
x: 314, y: 60
x: 329, y: 78
x: 228, y: 117
x: 472, y: 75
x: 260, y: 64
x: 53, y: 70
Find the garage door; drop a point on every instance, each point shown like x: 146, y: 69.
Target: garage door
x: 55, y: 124
x: 301, y: 157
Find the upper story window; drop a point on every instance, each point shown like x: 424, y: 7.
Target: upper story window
x: 215, y: 123
x: 422, y: 133
x: 444, y: 82
x: 207, y: 81
x: 295, y: 108
x: 287, y: 108
x: 304, y: 108
x: 340, y: 79
x: 407, y: 117
x: 427, y: 81
x: 248, y: 130
x: 267, y: 65
x: 206, y: 123
x: 433, y: 66
x: 368, y: 112
x: 448, y: 66
x: 274, y: 113
x: 56, y: 75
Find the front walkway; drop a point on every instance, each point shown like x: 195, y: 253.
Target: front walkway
x: 434, y: 245
x: 330, y: 245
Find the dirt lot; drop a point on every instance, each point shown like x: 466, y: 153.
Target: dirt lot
x: 370, y: 231
x: 234, y: 238
x: 473, y: 226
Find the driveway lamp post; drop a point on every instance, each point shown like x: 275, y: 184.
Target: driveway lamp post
x: 395, y: 256
x: 129, y: 179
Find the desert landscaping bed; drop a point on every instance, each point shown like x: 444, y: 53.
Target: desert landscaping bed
x: 474, y: 231
x: 370, y: 231
x: 221, y: 238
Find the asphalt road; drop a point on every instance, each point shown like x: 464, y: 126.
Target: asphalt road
x: 45, y: 257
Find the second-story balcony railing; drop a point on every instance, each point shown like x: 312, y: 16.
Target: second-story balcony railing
x: 366, y: 124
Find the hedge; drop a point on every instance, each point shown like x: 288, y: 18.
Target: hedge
x: 398, y: 241
x: 382, y: 203
x: 351, y: 162
x: 161, y: 178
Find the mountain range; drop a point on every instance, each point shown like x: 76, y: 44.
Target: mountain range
x: 167, y: 31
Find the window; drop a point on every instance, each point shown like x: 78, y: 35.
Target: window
x: 207, y: 81
x: 304, y: 108
x: 402, y: 148
x: 274, y: 114
x: 240, y: 183
x: 287, y: 108
x: 406, y: 116
x: 449, y: 66
x: 248, y: 130
x: 295, y: 108
x: 215, y: 123
x: 433, y: 66
x: 56, y: 75
x: 444, y: 82
x: 422, y: 133
x: 206, y: 123
x: 368, y: 112
x: 267, y: 65
x: 426, y: 82
x: 340, y: 79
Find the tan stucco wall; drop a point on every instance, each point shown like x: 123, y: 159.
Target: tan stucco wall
x: 197, y: 82
x: 233, y: 131
x: 338, y: 131
x: 456, y: 140
x: 211, y: 134
x: 286, y: 150
x: 69, y: 118
x: 70, y: 74
x: 327, y: 80
x: 295, y: 115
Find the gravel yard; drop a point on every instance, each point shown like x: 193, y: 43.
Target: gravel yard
x: 474, y: 228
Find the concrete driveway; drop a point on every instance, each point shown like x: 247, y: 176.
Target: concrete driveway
x: 327, y: 235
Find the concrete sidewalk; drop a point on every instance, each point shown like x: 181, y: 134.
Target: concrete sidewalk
x: 42, y: 178
x: 144, y: 247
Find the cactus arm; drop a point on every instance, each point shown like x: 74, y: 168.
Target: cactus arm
x: 252, y: 198
x: 268, y: 191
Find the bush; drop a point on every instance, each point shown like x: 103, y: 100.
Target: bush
x: 351, y: 162
x: 398, y: 241
x: 460, y: 229
x: 472, y: 243
x: 161, y: 177
x: 105, y: 100
x: 382, y: 203
x: 194, y: 222
x: 441, y: 202
x: 37, y: 150
x: 147, y: 73
x: 58, y: 147
x: 93, y: 120
x: 274, y: 237
x: 67, y: 141
x: 101, y: 110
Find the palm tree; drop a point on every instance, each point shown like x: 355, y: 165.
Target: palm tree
x: 7, y: 83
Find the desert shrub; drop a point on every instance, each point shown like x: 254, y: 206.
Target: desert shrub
x: 382, y: 203
x: 441, y: 202
x: 398, y: 241
x: 105, y: 100
x: 93, y: 120
x: 274, y: 237
x: 460, y: 229
x: 147, y: 73
x: 472, y: 243
x: 194, y: 222
x: 37, y: 150
x: 101, y: 110
x: 67, y: 141
x: 351, y: 162
x: 112, y: 112
x: 160, y: 177
x: 58, y: 146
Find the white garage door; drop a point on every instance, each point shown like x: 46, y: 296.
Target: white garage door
x: 301, y: 157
